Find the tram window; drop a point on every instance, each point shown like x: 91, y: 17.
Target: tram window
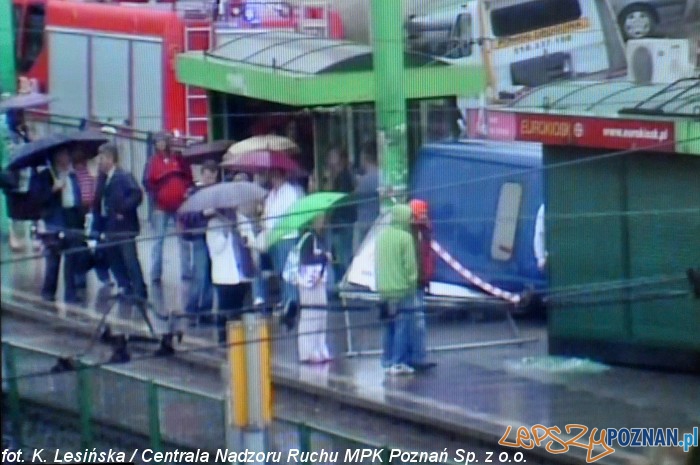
x: 33, y: 40
x: 506, y: 223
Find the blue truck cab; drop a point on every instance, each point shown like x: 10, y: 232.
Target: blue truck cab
x: 484, y: 197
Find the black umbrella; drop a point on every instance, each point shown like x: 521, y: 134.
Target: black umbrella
x: 37, y: 153
x: 90, y: 140
x: 199, y: 153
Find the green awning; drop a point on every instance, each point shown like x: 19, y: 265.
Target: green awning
x: 300, y: 70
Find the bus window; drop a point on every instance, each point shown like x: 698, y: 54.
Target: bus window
x: 530, y: 16
x: 32, y: 40
x: 506, y: 221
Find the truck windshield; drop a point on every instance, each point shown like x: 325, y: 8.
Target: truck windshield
x: 530, y: 16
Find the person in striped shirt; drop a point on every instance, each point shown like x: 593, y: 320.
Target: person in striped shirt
x: 88, y: 183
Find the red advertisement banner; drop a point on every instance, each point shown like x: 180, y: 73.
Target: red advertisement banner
x: 603, y: 133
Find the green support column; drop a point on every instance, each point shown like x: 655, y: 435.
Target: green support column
x: 388, y: 54
x: 12, y: 387
x: 154, y: 417
x: 85, y: 405
x: 8, y: 83
x: 8, y: 80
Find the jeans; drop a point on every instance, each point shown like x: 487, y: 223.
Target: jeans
x: 279, y: 253
x: 160, y: 224
x: 399, y: 331
x: 417, y: 348
x: 201, y: 293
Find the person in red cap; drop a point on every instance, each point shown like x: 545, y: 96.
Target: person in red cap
x: 167, y: 178
x: 422, y: 233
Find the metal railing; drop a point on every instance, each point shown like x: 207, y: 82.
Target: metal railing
x: 167, y: 415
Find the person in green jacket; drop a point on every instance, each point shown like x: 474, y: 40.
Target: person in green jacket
x: 396, y: 271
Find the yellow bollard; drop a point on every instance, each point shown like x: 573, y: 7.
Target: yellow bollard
x: 239, y: 343
x: 235, y: 338
x: 266, y: 370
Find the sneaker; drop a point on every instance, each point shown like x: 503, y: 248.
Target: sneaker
x: 424, y: 366
x: 399, y: 369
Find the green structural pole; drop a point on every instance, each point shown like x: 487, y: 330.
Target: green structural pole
x: 8, y: 83
x: 390, y: 99
x: 8, y: 80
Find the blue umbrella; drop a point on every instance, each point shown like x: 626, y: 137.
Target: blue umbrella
x: 23, y: 101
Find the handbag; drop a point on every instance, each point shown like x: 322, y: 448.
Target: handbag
x: 290, y: 272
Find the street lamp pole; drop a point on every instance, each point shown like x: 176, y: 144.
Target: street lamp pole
x: 390, y: 98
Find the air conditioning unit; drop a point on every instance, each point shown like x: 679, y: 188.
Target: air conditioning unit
x: 658, y: 61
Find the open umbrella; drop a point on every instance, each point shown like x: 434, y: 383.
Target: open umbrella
x: 223, y: 195
x: 199, y: 153
x: 303, y: 212
x: 262, y: 161
x: 90, y: 140
x: 265, y: 144
x: 37, y: 152
x: 22, y: 101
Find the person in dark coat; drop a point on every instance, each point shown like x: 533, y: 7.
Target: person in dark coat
x: 342, y: 219
x: 114, y: 214
x: 58, y: 191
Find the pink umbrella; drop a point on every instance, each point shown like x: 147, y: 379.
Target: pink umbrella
x: 262, y: 161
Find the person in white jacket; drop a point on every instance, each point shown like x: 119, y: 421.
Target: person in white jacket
x: 228, y: 236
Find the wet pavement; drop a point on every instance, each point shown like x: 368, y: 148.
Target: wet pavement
x: 475, y: 392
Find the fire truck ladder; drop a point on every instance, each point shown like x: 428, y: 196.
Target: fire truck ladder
x: 310, y: 21
x: 196, y: 108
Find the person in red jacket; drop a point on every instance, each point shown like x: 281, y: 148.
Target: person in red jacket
x: 167, y: 178
x: 422, y: 233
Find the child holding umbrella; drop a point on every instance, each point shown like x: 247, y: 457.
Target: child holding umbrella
x: 314, y: 260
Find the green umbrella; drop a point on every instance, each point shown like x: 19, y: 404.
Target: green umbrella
x: 303, y: 212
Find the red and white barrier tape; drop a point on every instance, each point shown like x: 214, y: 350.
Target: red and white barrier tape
x: 472, y: 278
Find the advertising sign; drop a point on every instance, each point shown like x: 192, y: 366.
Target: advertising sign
x: 602, y: 133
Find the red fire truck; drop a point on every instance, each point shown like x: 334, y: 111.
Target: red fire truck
x: 115, y: 62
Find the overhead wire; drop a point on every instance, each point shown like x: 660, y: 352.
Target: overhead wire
x: 591, y: 215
